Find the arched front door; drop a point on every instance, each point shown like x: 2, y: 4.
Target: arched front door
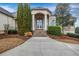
x: 39, y: 19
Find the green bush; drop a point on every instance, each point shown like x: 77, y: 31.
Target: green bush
x: 73, y: 35
x: 77, y: 30
x: 12, y: 32
x: 54, y: 30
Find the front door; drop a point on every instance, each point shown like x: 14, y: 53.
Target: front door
x: 39, y: 24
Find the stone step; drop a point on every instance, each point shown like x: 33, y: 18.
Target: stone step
x: 39, y: 33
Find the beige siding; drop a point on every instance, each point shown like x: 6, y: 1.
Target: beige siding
x: 4, y: 19
x: 11, y: 23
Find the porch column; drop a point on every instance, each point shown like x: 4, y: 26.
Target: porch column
x: 33, y: 22
x: 45, y: 22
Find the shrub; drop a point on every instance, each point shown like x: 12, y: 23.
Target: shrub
x: 29, y: 34
x: 54, y: 30
x: 73, y: 35
x: 12, y: 32
x: 77, y: 30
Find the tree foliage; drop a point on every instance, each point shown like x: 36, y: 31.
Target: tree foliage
x: 27, y: 16
x: 23, y: 20
x: 63, y: 15
x: 20, y: 18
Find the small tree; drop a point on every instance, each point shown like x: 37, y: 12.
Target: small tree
x: 62, y: 13
x: 6, y: 28
x: 27, y: 17
x: 19, y: 19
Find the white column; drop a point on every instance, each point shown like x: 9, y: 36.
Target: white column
x: 45, y: 23
x: 33, y: 22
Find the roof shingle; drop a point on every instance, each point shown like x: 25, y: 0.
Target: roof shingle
x: 2, y: 10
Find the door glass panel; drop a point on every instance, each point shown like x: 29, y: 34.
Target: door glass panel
x: 39, y: 24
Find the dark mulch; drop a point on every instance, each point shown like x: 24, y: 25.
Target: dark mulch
x: 65, y: 38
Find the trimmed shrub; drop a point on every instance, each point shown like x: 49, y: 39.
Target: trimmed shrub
x: 12, y: 32
x: 54, y: 30
x: 29, y: 34
x: 77, y: 30
x: 73, y: 35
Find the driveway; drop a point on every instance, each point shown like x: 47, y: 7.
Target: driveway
x: 43, y: 46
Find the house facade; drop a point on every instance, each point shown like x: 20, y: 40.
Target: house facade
x: 41, y: 19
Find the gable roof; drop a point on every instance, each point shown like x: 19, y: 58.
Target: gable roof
x: 40, y: 8
x: 2, y: 10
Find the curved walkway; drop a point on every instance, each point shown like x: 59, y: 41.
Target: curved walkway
x: 43, y: 46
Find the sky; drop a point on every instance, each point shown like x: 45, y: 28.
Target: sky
x: 12, y: 7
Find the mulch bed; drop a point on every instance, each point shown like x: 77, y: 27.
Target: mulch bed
x: 8, y: 42
x: 65, y: 38
x: 2, y: 36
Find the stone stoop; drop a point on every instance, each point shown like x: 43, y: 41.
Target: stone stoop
x: 39, y: 33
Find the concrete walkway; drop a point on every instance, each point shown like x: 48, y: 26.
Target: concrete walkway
x: 43, y: 46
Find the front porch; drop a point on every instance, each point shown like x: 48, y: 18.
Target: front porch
x: 40, y: 19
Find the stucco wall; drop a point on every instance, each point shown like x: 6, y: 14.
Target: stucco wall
x: 52, y: 21
x: 70, y: 29
x: 4, y: 19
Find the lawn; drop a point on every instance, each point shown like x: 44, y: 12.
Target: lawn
x: 11, y: 41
